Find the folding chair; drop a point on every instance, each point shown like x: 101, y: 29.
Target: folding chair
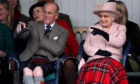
x: 52, y: 78
x: 78, y: 37
x: 127, y: 47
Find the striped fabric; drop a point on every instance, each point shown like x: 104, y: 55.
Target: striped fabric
x: 102, y: 71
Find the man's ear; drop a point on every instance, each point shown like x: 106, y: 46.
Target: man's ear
x: 57, y: 15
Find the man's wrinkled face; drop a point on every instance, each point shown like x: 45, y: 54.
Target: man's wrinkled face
x: 50, y: 13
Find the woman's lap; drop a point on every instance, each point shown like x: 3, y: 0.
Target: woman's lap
x: 104, y: 71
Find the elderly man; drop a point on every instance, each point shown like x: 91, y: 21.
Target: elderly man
x: 62, y: 16
x: 46, y: 40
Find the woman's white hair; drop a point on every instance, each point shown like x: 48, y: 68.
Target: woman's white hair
x: 113, y: 15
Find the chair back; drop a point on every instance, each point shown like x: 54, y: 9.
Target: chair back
x: 84, y: 34
x: 127, y: 47
x: 78, y: 37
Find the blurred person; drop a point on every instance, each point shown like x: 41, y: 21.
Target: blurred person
x: 132, y: 34
x: 7, y: 18
x: 16, y: 11
x: 36, y: 11
x: 5, y: 13
x: 6, y: 50
x: 103, y: 47
x: 15, y: 8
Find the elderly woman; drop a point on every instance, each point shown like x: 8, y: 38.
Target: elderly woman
x: 103, y: 45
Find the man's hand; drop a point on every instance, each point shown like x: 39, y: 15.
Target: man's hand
x: 100, y: 32
x: 21, y: 26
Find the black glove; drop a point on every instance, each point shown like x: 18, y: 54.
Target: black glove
x: 103, y: 53
x: 23, y: 29
x: 98, y: 31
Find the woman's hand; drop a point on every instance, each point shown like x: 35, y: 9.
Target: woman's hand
x: 103, y: 53
x: 100, y: 32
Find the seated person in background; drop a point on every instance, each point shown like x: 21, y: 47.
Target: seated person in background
x: 5, y: 14
x: 71, y: 48
x: 8, y: 19
x: 16, y: 14
x: 62, y: 16
x: 33, y: 77
x: 66, y: 17
x: 6, y: 50
x: 103, y: 46
x: 132, y: 33
x: 20, y: 44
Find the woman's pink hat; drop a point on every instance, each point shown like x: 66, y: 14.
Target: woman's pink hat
x: 106, y: 7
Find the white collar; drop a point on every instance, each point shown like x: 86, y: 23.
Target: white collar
x: 50, y: 25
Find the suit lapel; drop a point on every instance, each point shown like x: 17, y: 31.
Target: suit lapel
x: 40, y: 29
x: 54, y: 32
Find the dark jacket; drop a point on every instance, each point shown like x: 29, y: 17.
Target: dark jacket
x: 133, y: 34
x: 6, y: 41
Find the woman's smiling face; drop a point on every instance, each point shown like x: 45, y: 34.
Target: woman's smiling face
x: 106, y: 19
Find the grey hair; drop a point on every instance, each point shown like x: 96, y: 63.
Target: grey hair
x: 113, y: 15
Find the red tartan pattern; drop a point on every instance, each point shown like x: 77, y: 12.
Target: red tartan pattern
x: 102, y: 71
x: 40, y: 61
x: 42, y: 82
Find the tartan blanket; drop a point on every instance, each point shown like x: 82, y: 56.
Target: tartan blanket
x: 102, y: 71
